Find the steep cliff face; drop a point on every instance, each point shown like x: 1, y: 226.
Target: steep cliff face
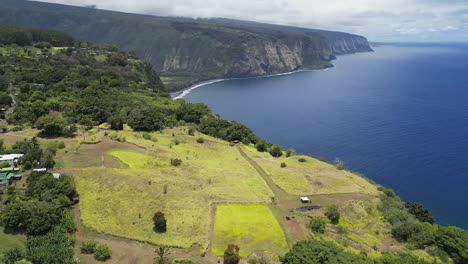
x: 192, y: 50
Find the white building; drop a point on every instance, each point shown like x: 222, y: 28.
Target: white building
x: 305, y: 200
x: 10, y: 158
x: 40, y: 170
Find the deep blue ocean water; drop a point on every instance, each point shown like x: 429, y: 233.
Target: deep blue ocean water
x: 398, y: 115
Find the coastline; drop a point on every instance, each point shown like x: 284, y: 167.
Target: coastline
x: 182, y: 93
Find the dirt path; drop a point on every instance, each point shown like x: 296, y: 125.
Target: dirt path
x: 280, y: 194
x: 283, y: 205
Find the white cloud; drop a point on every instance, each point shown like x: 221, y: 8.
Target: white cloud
x: 379, y: 20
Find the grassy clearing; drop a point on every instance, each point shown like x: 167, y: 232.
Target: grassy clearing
x: 310, y: 177
x: 251, y: 226
x: 8, y: 241
x: 136, y: 160
x: 121, y: 185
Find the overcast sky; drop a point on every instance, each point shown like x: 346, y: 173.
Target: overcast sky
x: 378, y: 20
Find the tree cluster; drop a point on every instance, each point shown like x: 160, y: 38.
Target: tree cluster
x: 412, y: 223
x: 42, y: 211
x: 324, y: 252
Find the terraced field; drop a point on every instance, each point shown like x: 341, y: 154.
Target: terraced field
x: 127, y: 184
x: 220, y: 194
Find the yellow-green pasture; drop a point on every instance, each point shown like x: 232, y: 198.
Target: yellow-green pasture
x: 251, y: 226
x: 310, y: 177
x: 124, y: 185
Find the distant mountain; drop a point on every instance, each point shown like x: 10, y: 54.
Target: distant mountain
x: 185, y: 51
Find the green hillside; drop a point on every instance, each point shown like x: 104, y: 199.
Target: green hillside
x: 127, y: 154
x: 186, y: 51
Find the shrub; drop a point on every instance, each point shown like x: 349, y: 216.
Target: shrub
x: 302, y: 160
x: 162, y: 253
x: 454, y: 241
x: 323, y: 159
x: 289, y: 152
x: 333, y: 214
x: 389, y: 193
x: 61, y: 145
x: 421, y: 213
x: 340, y: 164
x: 176, y: 162
x: 160, y: 224
x: 191, y: 132
x: 261, y: 146
x: 283, y: 165
x: 200, y: 140
x: 183, y: 261
x: 246, y: 141
x: 13, y: 255
x: 260, y: 260
x: 231, y: 255
x: 276, y: 151
x: 116, y: 123
x: 88, y: 247
x: 147, y: 136
x: 341, y: 230
x: 102, y: 253
x: 317, y: 225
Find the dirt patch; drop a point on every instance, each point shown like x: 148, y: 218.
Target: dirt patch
x: 296, y: 228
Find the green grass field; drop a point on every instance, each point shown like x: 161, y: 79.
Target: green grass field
x: 251, y: 226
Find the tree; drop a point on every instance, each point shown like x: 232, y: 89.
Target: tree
x: 160, y: 224
x: 421, y: 213
x: 454, y: 241
x: 51, y: 125
x: 276, y: 151
x: 192, y: 113
x: 5, y: 99
x: 261, y: 146
x: 333, y: 214
x: 116, y: 123
x: 53, y: 248
x: 162, y: 253
x: 88, y: 247
x: 145, y: 119
x: 231, y: 255
x: 13, y: 255
x: 102, y: 253
x: 47, y: 159
x: 317, y: 225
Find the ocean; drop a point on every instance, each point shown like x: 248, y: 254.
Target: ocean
x: 398, y: 115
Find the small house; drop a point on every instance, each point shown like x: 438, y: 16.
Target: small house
x: 236, y: 141
x: 56, y: 175
x: 305, y: 200
x: 10, y: 158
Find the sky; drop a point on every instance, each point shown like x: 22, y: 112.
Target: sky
x: 378, y: 20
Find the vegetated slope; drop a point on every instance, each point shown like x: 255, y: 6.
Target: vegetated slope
x: 187, y: 50
x: 77, y: 82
